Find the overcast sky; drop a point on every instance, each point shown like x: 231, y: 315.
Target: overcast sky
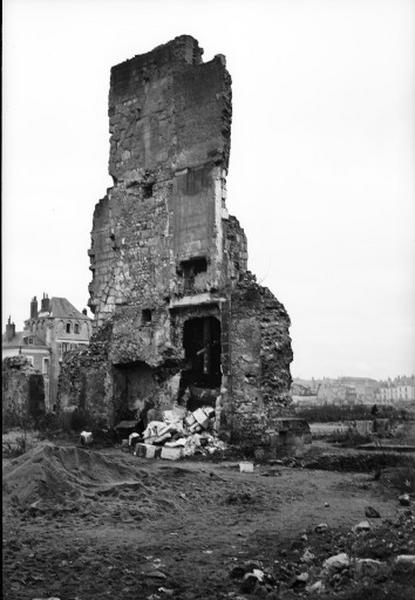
x: 322, y: 170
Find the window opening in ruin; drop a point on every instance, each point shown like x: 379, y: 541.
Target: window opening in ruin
x: 148, y: 189
x: 188, y: 269
x: 76, y: 328
x: 45, y: 369
x: 202, y: 372
x: 68, y: 328
x: 146, y: 316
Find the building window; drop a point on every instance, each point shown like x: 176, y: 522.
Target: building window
x: 68, y: 328
x: 30, y: 341
x: 146, y: 316
x: 30, y: 359
x: 45, y: 366
x: 76, y: 328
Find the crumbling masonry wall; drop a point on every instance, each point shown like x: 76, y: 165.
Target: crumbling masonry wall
x: 173, y: 301
x: 23, y: 394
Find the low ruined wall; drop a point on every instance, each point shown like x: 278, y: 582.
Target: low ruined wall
x: 260, y: 355
x: 92, y: 383
x: 85, y: 382
x: 23, y: 395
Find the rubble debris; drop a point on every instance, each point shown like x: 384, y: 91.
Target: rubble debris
x: 371, y: 513
x: 404, y: 500
x: 251, y: 577
x: 316, y: 587
x: 405, y: 559
x: 362, y: 526
x: 345, y: 570
x: 337, y: 562
x: 300, y: 580
x: 307, y: 556
x: 86, y: 438
x: 321, y: 527
x: 156, y: 574
x: 181, y: 433
x: 368, y: 567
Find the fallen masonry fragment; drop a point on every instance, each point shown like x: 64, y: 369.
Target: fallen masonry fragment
x: 178, y: 317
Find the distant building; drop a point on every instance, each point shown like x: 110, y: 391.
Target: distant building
x: 305, y: 401
x: 47, y: 335
x: 400, y: 390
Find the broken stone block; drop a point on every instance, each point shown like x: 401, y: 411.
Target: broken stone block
x: 317, y: 587
x: 195, y: 428
x: 171, y: 453
x: 190, y: 420
x: 201, y: 418
x: 362, y: 526
x: 180, y: 443
x: 337, y: 562
x: 307, y: 556
x: 147, y: 451
x: 156, y: 431
x: 133, y: 439
x: 246, y: 467
x: 300, y: 580
x: 405, y: 559
x: 368, y: 567
x: 86, y: 438
x: 404, y: 500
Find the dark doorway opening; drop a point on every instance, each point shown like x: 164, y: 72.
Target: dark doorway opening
x: 134, y: 389
x: 36, y: 399
x: 202, y: 347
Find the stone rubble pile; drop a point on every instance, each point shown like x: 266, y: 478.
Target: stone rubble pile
x: 181, y: 433
x: 363, y: 556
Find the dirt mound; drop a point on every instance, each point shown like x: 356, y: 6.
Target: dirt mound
x: 113, y: 485
x: 58, y: 473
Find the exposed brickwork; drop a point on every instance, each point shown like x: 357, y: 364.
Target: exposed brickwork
x: 170, y: 291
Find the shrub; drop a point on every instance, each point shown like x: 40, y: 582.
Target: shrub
x: 349, y: 438
x: 331, y: 413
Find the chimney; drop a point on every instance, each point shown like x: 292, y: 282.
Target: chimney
x: 45, y: 303
x: 10, y: 330
x: 33, y: 308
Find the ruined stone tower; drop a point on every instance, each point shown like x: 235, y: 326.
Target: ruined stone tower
x: 175, y: 307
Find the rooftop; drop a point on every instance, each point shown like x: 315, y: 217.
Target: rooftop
x: 19, y: 340
x: 62, y: 308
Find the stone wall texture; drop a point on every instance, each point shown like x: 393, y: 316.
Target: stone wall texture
x: 23, y: 395
x: 174, y: 304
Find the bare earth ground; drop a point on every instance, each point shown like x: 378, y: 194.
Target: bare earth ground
x: 91, y: 524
